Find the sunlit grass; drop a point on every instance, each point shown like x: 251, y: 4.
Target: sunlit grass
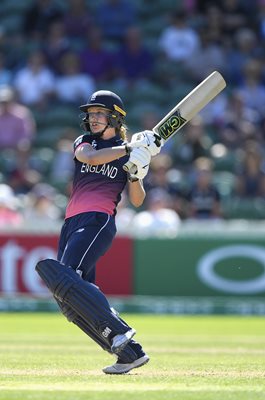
x: 42, y: 356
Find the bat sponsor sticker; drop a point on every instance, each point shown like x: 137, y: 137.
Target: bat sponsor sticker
x: 172, y: 124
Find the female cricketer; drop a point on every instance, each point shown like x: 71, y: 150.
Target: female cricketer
x: 89, y: 227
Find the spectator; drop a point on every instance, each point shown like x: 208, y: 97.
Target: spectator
x: 213, y: 113
x: 212, y: 17
x: 55, y: 45
x: 39, y: 16
x: 250, y: 178
x: 158, y: 176
x: 41, y: 205
x: 238, y: 123
x: 62, y: 165
x: 134, y: 60
x: 179, y: 41
x: 17, y: 124
x: 235, y: 16
x: 96, y: 60
x: 73, y: 86
x: 159, y: 219
x: 77, y: 19
x: 210, y: 56
x: 125, y: 216
x: 114, y: 17
x: 164, y: 176
x: 260, y: 19
x: 203, y: 200
x: 252, y: 88
x: 35, y: 82
x: 193, y: 143
x: 243, y: 47
x: 22, y: 180
x: 149, y: 116
x: 10, y: 216
x: 13, y: 48
x: 5, y: 73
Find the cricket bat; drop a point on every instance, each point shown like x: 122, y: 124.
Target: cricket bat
x: 186, y: 109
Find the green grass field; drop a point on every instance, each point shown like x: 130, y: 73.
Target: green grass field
x: 42, y: 356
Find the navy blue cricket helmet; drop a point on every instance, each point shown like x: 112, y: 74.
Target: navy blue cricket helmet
x: 109, y: 101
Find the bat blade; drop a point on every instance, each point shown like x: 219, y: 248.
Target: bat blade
x: 191, y: 105
x: 186, y: 109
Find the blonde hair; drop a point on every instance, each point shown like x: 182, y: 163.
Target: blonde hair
x: 122, y: 131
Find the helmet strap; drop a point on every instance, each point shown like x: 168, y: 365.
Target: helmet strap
x: 100, y: 134
x: 86, y: 126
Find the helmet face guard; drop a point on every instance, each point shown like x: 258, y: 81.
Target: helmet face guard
x: 111, y: 102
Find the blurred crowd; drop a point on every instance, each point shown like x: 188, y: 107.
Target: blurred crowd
x: 54, y: 54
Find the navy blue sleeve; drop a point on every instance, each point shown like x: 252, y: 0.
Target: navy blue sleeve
x: 81, y: 139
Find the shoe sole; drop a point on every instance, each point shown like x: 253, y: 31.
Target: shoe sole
x: 142, y: 363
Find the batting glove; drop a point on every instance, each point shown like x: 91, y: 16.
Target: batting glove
x: 141, y: 158
x: 149, y: 140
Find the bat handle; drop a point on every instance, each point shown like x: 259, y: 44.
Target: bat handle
x: 130, y: 167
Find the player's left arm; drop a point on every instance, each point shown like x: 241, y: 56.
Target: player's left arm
x: 136, y: 192
x: 141, y: 158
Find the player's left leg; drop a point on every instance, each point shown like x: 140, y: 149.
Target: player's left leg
x: 83, y: 239
x: 85, y: 326
x: 87, y: 301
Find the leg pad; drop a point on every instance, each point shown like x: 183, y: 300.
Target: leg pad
x: 84, y: 298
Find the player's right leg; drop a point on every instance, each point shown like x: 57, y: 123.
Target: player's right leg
x: 132, y: 356
x: 70, y: 248
x: 124, y: 363
x: 121, y: 367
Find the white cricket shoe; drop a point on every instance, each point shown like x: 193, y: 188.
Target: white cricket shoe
x: 120, y: 341
x: 119, y: 368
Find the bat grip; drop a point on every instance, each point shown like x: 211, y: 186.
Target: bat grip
x: 130, y: 167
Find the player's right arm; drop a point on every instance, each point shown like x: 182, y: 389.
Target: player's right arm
x: 85, y: 153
